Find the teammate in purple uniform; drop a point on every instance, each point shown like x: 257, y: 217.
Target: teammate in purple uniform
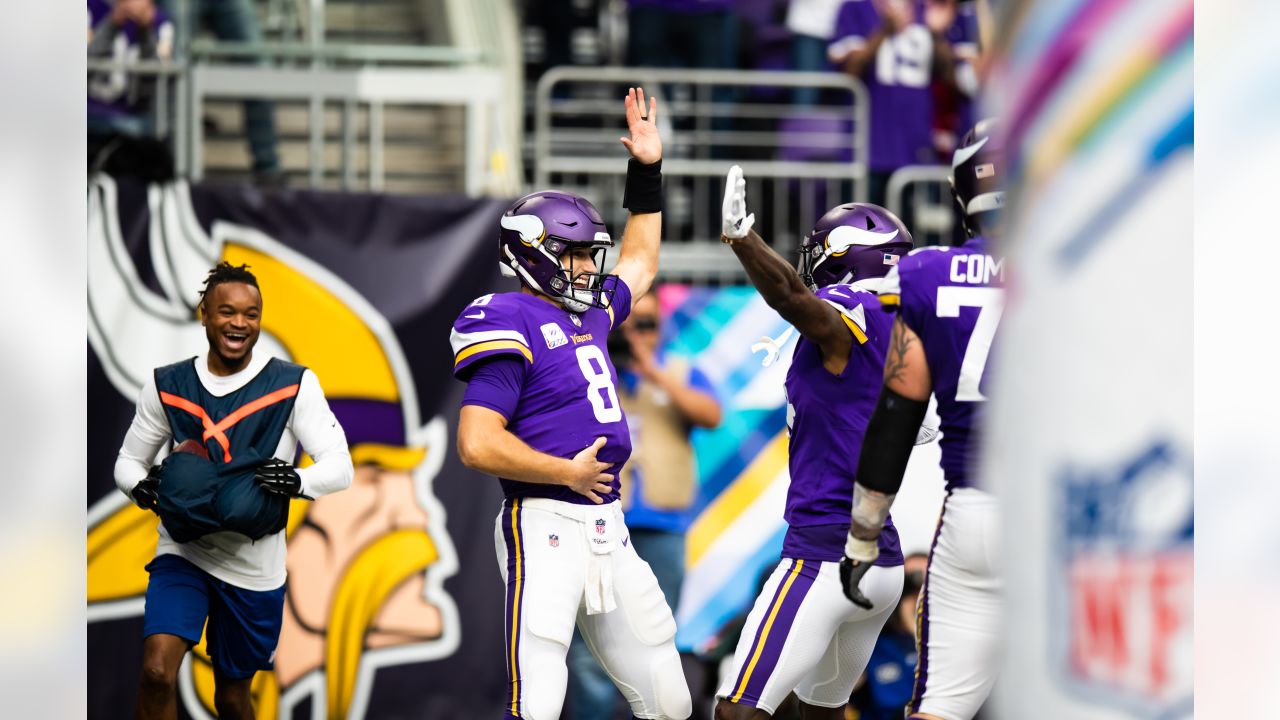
x: 949, y: 303
x: 802, y: 634
x: 541, y: 412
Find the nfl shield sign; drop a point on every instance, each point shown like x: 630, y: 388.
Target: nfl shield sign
x: 600, y: 526
x: 553, y: 540
x: 1125, y: 618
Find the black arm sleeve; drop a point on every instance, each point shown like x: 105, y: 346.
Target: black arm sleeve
x: 887, y: 444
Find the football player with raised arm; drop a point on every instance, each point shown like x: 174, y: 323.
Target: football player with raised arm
x: 541, y: 413
x: 244, y: 410
x: 802, y: 635
x: 949, y: 302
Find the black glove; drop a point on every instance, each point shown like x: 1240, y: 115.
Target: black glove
x: 279, y: 477
x: 851, y: 572
x: 146, y: 494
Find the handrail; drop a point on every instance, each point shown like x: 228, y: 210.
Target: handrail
x: 336, y: 51
x: 798, y: 159
x: 134, y: 65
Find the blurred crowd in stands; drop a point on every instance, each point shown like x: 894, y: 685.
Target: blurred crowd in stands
x: 919, y: 59
x: 122, y: 102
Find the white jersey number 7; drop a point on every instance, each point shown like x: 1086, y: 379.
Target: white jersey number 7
x: 990, y: 302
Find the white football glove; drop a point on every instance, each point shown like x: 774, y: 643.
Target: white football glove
x: 735, y: 222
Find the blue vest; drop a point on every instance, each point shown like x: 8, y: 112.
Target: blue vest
x: 240, y: 431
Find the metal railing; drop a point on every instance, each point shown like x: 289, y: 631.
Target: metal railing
x: 799, y: 160
x: 930, y: 211
x: 360, y: 79
x: 165, y: 73
x: 478, y: 90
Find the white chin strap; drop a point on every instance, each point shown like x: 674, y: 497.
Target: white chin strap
x: 576, y: 303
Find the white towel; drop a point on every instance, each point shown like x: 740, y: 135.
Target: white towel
x: 601, y: 529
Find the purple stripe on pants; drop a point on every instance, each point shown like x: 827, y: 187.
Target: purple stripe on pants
x: 922, y: 622
x: 515, y: 590
x: 772, y: 637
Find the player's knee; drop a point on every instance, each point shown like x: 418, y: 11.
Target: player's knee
x: 232, y: 701
x: 674, y: 701
x: 158, y: 680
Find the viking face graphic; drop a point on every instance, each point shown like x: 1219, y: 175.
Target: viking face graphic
x: 366, y: 567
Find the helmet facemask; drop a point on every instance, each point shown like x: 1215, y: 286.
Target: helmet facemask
x: 580, y: 299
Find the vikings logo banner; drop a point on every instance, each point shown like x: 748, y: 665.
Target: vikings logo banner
x: 361, y: 289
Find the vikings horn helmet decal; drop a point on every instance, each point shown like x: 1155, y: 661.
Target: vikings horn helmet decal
x: 538, y: 230
x: 852, y: 242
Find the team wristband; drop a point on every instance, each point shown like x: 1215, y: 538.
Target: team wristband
x: 643, y: 192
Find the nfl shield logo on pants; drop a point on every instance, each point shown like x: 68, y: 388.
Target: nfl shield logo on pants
x: 553, y: 540
x: 600, y: 526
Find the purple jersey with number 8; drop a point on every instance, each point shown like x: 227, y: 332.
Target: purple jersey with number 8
x: 569, y: 397
x: 951, y: 298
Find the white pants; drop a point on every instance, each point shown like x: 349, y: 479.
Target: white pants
x: 803, y: 634
x: 959, y: 609
x: 546, y: 559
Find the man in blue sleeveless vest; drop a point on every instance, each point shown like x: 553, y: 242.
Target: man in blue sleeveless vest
x: 221, y: 551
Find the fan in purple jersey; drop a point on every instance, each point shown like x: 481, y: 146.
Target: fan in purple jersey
x: 949, y: 302
x: 898, y: 49
x: 541, y: 413
x: 802, y: 635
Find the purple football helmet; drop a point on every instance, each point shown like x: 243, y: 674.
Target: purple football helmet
x: 852, y: 242
x: 539, y: 229
x: 977, y: 174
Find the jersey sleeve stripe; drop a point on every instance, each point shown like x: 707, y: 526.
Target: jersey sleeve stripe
x: 853, y: 328
x: 462, y: 340
x: 493, y: 345
x: 891, y: 299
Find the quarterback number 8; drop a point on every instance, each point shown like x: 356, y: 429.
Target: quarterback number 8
x: 600, y: 390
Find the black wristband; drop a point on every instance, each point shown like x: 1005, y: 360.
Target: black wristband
x: 888, y: 441
x: 643, y: 193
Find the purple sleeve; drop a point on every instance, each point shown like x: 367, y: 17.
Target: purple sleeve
x: 496, y: 383
x: 620, y: 303
x: 855, y: 22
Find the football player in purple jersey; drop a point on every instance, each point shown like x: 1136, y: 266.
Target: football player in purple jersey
x: 541, y: 413
x: 948, y: 302
x: 802, y: 635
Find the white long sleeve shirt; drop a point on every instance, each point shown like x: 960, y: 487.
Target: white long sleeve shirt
x: 230, y: 556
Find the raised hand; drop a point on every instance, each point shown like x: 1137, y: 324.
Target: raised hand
x: 896, y: 14
x: 939, y: 15
x: 587, y: 478
x: 735, y: 223
x: 644, y: 144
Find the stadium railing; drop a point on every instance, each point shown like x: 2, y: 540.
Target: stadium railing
x: 929, y: 209
x: 364, y: 80
x: 799, y: 160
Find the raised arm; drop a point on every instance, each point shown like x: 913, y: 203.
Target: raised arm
x: 778, y: 281
x: 638, y: 259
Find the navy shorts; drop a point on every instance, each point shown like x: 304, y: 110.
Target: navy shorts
x: 244, y: 625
